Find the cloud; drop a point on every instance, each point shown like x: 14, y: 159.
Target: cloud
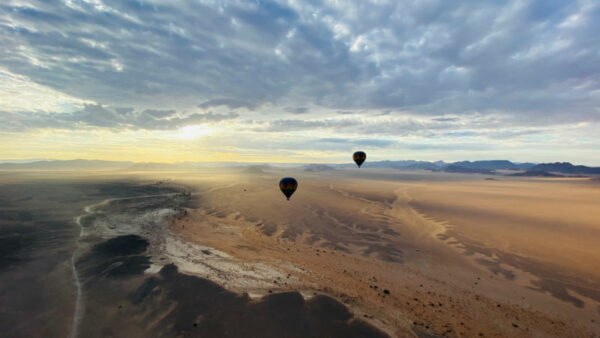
x: 227, y: 102
x: 376, y: 143
x: 98, y: 116
x: 379, y: 124
x: 157, y: 113
x: 445, y: 119
x: 20, y: 93
x: 299, y: 125
x: 297, y: 110
x: 527, y: 58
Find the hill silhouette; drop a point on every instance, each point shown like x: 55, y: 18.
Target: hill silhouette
x: 494, y: 165
x: 67, y: 165
x: 567, y: 168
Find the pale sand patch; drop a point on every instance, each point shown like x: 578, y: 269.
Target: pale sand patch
x: 224, y: 269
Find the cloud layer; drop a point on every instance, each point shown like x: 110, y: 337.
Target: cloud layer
x: 442, y: 71
x: 97, y: 116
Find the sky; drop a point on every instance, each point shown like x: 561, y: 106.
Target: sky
x: 300, y: 81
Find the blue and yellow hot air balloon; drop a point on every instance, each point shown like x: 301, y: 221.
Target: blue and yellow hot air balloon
x: 359, y: 157
x: 288, y: 185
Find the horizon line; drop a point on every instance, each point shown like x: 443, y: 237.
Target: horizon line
x: 29, y: 161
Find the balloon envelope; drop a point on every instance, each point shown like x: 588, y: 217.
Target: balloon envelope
x: 288, y: 185
x: 359, y: 157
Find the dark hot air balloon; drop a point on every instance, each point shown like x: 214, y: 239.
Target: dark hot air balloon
x: 288, y: 185
x: 359, y: 157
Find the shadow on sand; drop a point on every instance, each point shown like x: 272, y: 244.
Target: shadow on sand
x: 174, y: 304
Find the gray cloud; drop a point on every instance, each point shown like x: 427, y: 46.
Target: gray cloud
x: 445, y: 119
x: 535, y: 59
x: 297, y: 110
x: 376, y: 143
x: 227, y: 102
x: 295, y: 125
x: 452, y: 147
x: 361, y: 126
x: 103, y: 117
x: 157, y: 113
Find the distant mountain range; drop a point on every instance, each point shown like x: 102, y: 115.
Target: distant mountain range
x: 489, y: 167
x: 494, y: 165
x: 68, y: 165
x: 567, y: 168
x: 462, y: 166
x: 525, y: 169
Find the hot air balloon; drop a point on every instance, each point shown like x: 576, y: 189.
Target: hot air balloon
x: 288, y: 185
x: 359, y: 157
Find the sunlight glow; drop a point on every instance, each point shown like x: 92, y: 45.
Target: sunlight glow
x: 192, y: 132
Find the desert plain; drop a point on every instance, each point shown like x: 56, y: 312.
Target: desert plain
x: 355, y: 252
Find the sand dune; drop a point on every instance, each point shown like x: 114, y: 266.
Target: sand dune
x: 456, y: 255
